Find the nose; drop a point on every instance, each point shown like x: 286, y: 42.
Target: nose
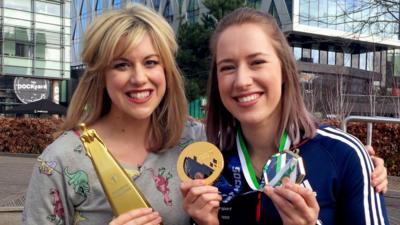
x: 138, y: 76
x: 243, y: 78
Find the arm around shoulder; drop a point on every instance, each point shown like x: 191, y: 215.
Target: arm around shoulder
x: 359, y: 203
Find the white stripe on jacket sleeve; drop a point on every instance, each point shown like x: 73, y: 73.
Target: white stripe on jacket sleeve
x: 366, y: 165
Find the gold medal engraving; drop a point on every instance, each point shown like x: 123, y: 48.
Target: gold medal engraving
x: 121, y: 192
x: 200, y: 160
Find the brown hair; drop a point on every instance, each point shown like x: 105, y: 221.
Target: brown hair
x: 90, y: 100
x: 221, y: 126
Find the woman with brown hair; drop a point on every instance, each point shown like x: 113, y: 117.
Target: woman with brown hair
x: 256, y: 114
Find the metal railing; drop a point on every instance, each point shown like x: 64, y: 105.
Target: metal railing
x: 369, y: 120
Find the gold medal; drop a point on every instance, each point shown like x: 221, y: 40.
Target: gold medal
x: 200, y: 160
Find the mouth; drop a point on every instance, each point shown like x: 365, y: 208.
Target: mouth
x: 139, y: 96
x: 248, y: 98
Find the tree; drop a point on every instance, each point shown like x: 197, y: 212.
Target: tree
x: 367, y: 17
x: 219, y: 8
x: 193, y: 58
x: 193, y: 38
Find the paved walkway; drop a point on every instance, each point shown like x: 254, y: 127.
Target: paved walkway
x: 15, y: 173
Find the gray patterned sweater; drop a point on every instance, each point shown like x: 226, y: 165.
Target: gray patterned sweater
x: 64, y: 188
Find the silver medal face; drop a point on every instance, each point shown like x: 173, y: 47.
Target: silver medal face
x: 285, y: 164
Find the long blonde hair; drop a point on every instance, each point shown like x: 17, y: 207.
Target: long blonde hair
x: 90, y: 100
x: 221, y: 126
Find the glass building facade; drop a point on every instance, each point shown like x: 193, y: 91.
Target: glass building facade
x: 369, y: 34
x: 330, y: 38
x: 35, y: 43
x: 348, y: 47
x: 84, y: 11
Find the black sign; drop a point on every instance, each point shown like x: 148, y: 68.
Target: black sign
x: 31, y: 89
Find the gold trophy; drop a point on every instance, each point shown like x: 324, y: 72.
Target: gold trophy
x: 121, y: 192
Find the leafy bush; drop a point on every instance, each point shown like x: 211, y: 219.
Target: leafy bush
x: 26, y: 135
x: 385, y: 140
x: 32, y: 135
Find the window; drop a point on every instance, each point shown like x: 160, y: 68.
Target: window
x: 323, y: 13
x: 274, y: 12
x: 22, y: 50
x: 289, y: 5
x: 99, y: 7
x: 193, y: 11
x: 306, y: 56
x: 117, y: 4
x: 22, y: 34
x: 313, y: 13
x: 331, y: 20
x: 156, y: 4
x: 363, y: 61
x: 339, y: 58
x: 340, y: 10
x: 168, y: 15
x: 331, y: 58
x: 67, y: 10
x: 18, y: 4
x: 297, y: 53
x: 315, y: 55
x: 48, y: 8
x: 370, y: 61
x: 304, y: 12
x: 396, y: 63
x: 347, y: 59
x: 355, y: 59
x: 323, y: 57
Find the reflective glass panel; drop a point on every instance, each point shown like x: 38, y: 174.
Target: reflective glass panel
x: 297, y: 53
x: 331, y: 58
x: 48, y: 8
x: 18, y: 4
x: 315, y: 55
x: 347, y: 59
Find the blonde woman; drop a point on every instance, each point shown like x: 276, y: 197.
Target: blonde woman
x: 132, y: 94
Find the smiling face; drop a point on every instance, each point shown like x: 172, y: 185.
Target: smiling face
x: 135, y: 80
x: 249, y: 74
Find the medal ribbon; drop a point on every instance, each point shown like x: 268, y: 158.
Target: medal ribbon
x: 245, y: 159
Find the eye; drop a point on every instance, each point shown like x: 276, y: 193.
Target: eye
x: 121, y: 66
x: 257, y: 62
x: 151, y: 63
x: 226, y: 68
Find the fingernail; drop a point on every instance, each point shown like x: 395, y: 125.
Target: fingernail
x: 147, y: 210
x: 200, y: 182
x: 268, y: 189
x: 285, y: 180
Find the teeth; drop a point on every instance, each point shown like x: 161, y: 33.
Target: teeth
x: 248, y: 98
x: 139, y: 95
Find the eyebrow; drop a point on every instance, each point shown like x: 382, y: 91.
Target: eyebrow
x: 229, y: 60
x: 122, y: 58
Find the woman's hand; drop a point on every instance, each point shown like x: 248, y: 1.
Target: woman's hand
x: 295, y: 204
x: 143, y: 216
x: 379, y: 175
x: 201, y: 202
